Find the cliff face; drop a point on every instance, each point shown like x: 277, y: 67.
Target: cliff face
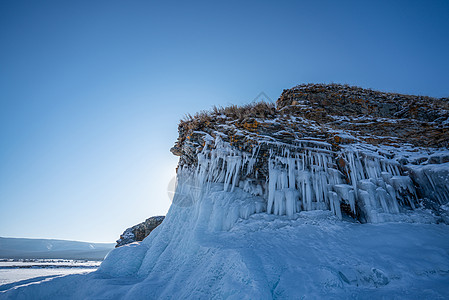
x: 363, y: 154
x: 140, y: 231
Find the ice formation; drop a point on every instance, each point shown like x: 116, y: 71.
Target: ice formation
x: 434, y: 179
x: 304, y: 176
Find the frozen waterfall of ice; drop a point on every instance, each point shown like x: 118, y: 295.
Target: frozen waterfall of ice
x: 304, y: 177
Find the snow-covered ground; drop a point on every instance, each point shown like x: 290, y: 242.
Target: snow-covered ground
x: 24, y: 262
x: 15, y: 273
x: 208, y: 248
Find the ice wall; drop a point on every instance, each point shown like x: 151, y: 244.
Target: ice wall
x: 309, y: 175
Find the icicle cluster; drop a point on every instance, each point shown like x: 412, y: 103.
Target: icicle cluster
x: 222, y: 163
x: 305, y: 176
x: 433, y: 180
x: 302, y: 181
x: 378, y: 184
x: 310, y: 180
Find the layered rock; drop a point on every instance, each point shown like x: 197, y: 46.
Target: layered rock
x: 363, y: 154
x: 140, y: 231
x: 372, y: 116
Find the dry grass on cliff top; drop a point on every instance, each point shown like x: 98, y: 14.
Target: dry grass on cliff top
x: 253, y: 110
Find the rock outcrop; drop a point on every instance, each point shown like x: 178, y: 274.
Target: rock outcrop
x: 372, y: 116
x: 140, y: 231
x: 363, y: 154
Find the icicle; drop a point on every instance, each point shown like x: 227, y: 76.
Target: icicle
x: 291, y: 173
x: 279, y: 203
x: 232, y: 171
x: 273, y: 176
x: 346, y: 193
x: 291, y: 196
x: 335, y: 204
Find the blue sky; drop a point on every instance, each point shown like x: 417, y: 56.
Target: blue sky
x: 91, y: 92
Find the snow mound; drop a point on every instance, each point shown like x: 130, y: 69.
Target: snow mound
x: 215, y: 244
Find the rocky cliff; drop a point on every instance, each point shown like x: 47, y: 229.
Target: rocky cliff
x: 261, y: 191
x: 363, y: 154
x: 140, y: 231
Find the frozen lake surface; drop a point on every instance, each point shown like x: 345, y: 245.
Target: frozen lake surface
x: 22, y: 272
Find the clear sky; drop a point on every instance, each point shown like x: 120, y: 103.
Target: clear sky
x: 91, y: 91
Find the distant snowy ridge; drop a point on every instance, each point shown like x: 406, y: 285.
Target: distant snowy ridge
x: 22, y: 248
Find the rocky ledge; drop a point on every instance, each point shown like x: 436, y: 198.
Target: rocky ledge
x: 140, y: 231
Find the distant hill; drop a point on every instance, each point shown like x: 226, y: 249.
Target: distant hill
x: 48, y: 248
